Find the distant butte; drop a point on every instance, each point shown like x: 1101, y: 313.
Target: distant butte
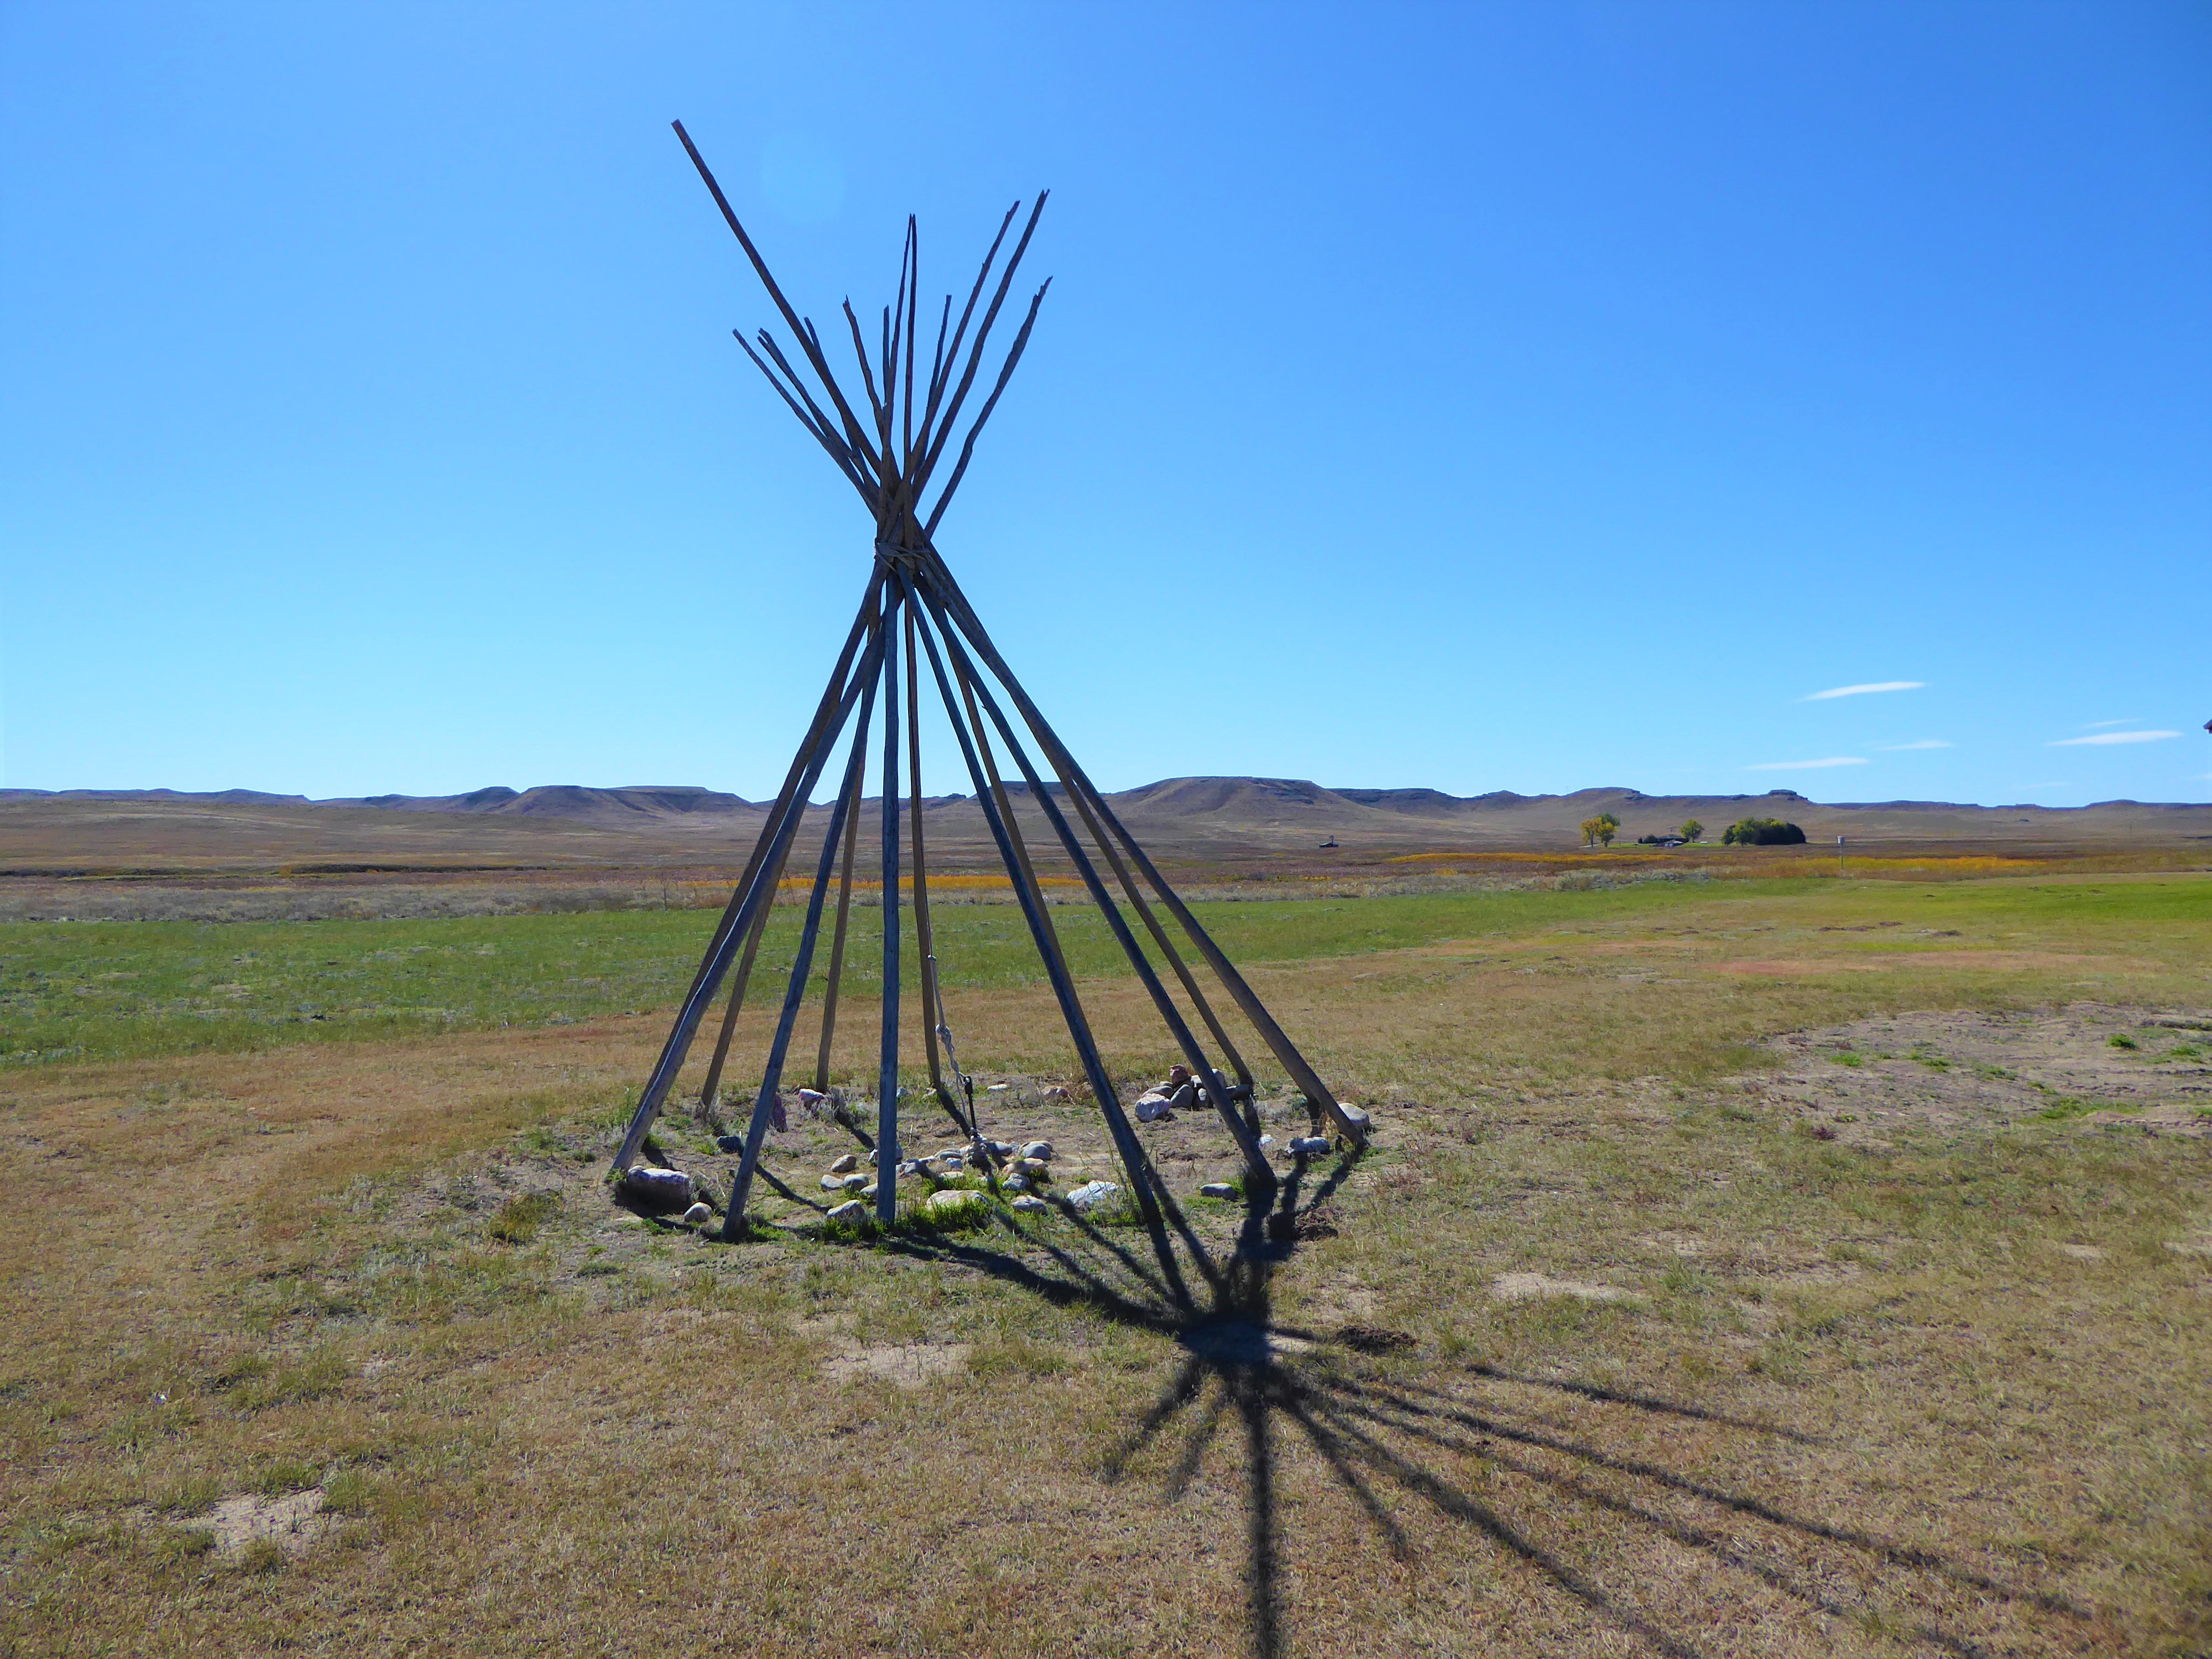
x: 1228, y: 821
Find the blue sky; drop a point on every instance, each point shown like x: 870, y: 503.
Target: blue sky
x: 1524, y: 396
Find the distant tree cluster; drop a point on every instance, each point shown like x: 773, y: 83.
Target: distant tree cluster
x: 1762, y: 832
x: 1600, y: 831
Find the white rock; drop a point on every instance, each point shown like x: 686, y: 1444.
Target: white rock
x: 871, y: 1158
x: 1039, y: 1150
x: 1016, y: 1183
x: 870, y: 1190
x: 662, y: 1192
x: 996, y: 1087
x: 955, y: 1201
x: 697, y: 1216
x: 832, y: 1184
x: 1003, y: 1148
x: 1031, y: 1166
x: 845, y: 1165
x: 1152, y: 1106
x: 1029, y: 1205
x: 852, y: 1184
x: 1310, y: 1145
x: 1265, y: 1141
x: 1093, y: 1194
x: 1217, y: 1189
x: 1358, y: 1118
x: 850, y: 1213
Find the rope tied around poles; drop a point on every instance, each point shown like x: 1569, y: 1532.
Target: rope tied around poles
x: 979, y: 1149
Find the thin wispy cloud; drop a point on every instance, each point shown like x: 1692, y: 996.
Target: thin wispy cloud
x: 2102, y: 737
x: 1807, y: 766
x: 1923, y: 742
x: 2099, y: 726
x: 1861, y: 690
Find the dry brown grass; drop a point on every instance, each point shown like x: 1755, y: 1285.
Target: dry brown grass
x: 1855, y: 1399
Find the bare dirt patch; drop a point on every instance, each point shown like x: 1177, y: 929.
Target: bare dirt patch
x: 1520, y: 1287
x: 290, y: 1521
x: 1884, y: 962
x: 904, y: 1365
x: 2104, y: 1065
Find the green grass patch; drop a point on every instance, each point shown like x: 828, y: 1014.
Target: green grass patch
x: 519, y: 1217
x: 275, y: 1479
x: 2067, y: 1108
x: 255, y: 1384
x: 348, y: 1492
x: 126, y: 990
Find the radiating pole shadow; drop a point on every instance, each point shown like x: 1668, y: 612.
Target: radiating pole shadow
x: 1379, y: 1435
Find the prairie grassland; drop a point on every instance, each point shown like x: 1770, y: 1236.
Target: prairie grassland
x: 1602, y: 1348
x: 117, y: 990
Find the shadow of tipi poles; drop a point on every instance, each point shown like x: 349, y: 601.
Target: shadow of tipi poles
x: 1370, y: 1431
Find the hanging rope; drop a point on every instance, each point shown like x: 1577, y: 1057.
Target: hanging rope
x: 979, y: 1149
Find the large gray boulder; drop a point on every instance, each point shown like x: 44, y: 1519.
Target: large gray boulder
x: 656, y: 1191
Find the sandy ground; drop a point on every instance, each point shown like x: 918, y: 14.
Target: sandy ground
x: 1952, y: 1070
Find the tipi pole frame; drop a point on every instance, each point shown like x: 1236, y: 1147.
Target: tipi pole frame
x: 923, y: 939
x: 940, y: 375
x: 942, y: 430
x: 802, y: 964
x: 854, y: 439
x: 887, y: 1144
x: 830, y: 695
x: 892, y: 460
x: 1255, y: 1161
x: 1025, y: 871
x: 739, y: 981
x: 1134, y: 1163
x: 1308, y: 1081
x: 783, y: 823
x: 837, y: 944
x: 1190, y: 980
